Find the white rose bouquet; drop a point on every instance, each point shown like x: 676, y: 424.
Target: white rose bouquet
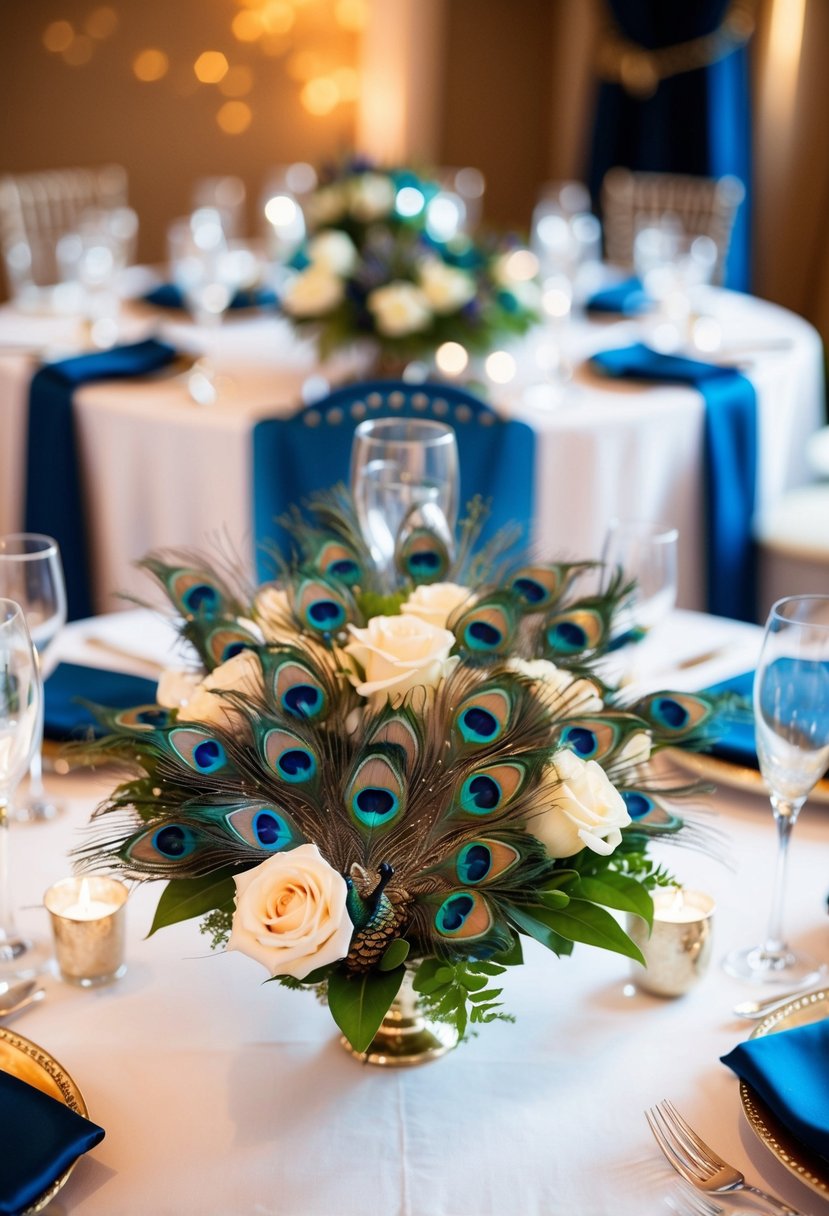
x: 355, y: 785
x: 376, y: 266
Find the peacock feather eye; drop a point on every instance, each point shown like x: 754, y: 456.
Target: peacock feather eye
x: 482, y: 861
x: 647, y: 811
x: 336, y: 561
x: 675, y: 715
x: 490, y: 789
x: 483, y: 717
x: 226, y: 641
x: 423, y: 557
x: 399, y: 732
x: 199, y: 750
x: 167, y: 844
x: 536, y: 587
x: 375, y: 795
x: 298, y: 692
x: 568, y: 633
x: 143, y: 717
x: 486, y: 628
x: 321, y: 606
x: 194, y: 595
x: 289, y: 756
x: 464, y: 916
x: 638, y: 804
x: 264, y: 827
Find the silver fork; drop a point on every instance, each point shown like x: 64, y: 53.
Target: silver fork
x: 686, y: 1202
x: 698, y: 1164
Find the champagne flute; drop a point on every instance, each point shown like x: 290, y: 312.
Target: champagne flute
x: 31, y: 574
x: 404, y: 473
x: 791, y: 719
x: 21, y: 697
x: 646, y: 554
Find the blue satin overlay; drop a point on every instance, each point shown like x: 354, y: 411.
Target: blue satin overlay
x: 70, y: 684
x: 788, y: 1071
x: 168, y: 295
x: 54, y: 485
x: 292, y: 459
x: 41, y: 1139
x: 730, y: 466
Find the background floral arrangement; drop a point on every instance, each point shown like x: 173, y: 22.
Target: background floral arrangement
x: 371, y: 268
x: 356, y: 783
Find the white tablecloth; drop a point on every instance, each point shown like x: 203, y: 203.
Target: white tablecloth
x: 161, y: 471
x: 224, y: 1096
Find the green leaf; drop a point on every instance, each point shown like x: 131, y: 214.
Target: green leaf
x: 616, y: 891
x: 319, y: 976
x: 531, y: 919
x: 584, y: 922
x: 560, y: 879
x: 472, y: 983
x: 396, y: 955
x: 184, y: 898
x: 554, y: 899
x: 359, y: 1004
x: 431, y: 975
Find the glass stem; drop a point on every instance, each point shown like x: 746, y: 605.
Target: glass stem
x: 36, y: 791
x: 10, y: 943
x: 785, y: 815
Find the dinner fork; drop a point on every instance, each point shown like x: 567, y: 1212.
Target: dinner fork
x: 698, y: 1164
x: 687, y: 1202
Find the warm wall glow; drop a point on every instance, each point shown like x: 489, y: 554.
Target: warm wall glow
x: 234, y: 117
x: 79, y: 51
x: 351, y: 14
x: 247, y: 26
x: 102, y: 22
x: 210, y: 67
x: 304, y: 64
x: 58, y: 36
x: 348, y: 83
x: 277, y: 17
x: 320, y: 95
x: 238, y: 82
x: 150, y: 65
x: 783, y: 63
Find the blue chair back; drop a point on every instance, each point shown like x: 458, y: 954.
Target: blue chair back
x: 311, y: 451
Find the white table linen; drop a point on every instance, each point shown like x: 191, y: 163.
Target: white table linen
x: 226, y: 1096
x: 160, y: 471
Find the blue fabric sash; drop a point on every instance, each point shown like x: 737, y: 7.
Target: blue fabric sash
x: 628, y: 298
x: 70, y: 684
x: 730, y: 466
x: 168, y: 295
x: 54, y: 491
x: 41, y: 1139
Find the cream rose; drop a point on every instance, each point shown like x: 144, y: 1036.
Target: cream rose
x: 313, y: 292
x: 398, y: 653
x: 446, y: 287
x: 399, y: 308
x: 326, y: 205
x: 587, y: 810
x: 334, y: 251
x: 176, y: 687
x: 290, y: 913
x: 435, y: 603
x: 570, y: 694
x: 273, y: 615
x: 241, y: 674
x: 371, y: 196
x: 636, y: 752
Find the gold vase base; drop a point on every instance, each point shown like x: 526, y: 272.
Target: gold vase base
x: 405, y: 1041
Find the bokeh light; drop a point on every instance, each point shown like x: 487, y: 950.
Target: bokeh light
x: 238, y: 82
x: 320, y: 95
x: 277, y: 16
x: 102, y: 22
x: 79, y: 51
x: 210, y: 67
x: 409, y: 201
x: 451, y: 358
x: 247, y: 25
x: 58, y: 36
x: 522, y: 265
x: 281, y: 211
x: 234, y: 117
x: 348, y: 83
x: 351, y: 15
x: 304, y: 65
x: 150, y: 64
x: 500, y: 367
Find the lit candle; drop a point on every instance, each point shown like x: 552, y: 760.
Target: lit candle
x: 88, y: 908
x: 678, y: 949
x: 88, y: 923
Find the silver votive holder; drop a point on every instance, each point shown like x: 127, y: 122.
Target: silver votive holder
x: 678, y: 950
x: 88, y: 924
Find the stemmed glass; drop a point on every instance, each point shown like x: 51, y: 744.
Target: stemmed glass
x: 791, y: 719
x: 404, y: 473
x: 31, y: 574
x: 21, y: 697
x: 646, y: 553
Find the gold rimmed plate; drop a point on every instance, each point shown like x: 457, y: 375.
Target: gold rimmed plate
x: 737, y: 776
x: 30, y: 1063
x: 805, y: 1165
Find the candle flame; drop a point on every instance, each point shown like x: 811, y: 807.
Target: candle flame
x: 678, y: 902
x: 84, y: 896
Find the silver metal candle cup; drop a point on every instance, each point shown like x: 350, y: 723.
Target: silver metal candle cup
x: 88, y: 951
x: 678, y: 950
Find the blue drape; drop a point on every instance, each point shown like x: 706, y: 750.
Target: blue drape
x: 696, y: 122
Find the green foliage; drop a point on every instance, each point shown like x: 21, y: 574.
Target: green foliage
x: 217, y: 926
x: 396, y: 954
x: 372, y: 603
x: 458, y: 993
x: 613, y: 890
x: 184, y: 898
x: 359, y: 1003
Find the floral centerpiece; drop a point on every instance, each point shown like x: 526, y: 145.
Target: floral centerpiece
x: 374, y: 267
x: 358, y: 788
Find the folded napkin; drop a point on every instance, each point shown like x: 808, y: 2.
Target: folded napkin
x: 628, y: 298
x: 168, y: 295
x: 41, y: 1139
x: 54, y: 492
x: 788, y: 1071
x: 736, y: 742
x: 65, y: 718
x: 730, y: 465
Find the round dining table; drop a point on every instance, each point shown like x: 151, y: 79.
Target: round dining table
x: 159, y: 471
x: 222, y: 1095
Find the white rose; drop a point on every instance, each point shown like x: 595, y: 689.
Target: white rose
x: 372, y: 196
x: 334, y: 251
x: 636, y: 752
x: 290, y: 913
x: 398, y: 653
x: 567, y: 693
x: 326, y: 205
x: 435, y: 603
x: 272, y: 610
x: 446, y: 288
x: 176, y: 687
x: 399, y: 308
x: 241, y: 674
x: 587, y: 809
x: 313, y: 292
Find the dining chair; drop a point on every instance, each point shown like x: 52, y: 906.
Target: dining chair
x: 309, y: 451
x: 704, y: 206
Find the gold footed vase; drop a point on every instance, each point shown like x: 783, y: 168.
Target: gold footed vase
x: 406, y: 1036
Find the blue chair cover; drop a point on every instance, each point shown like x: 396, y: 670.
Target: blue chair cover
x: 310, y: 451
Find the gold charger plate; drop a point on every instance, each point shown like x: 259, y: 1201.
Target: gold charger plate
x: 805, y: 1165
x: 30, y: 1063
x: 738, y: 776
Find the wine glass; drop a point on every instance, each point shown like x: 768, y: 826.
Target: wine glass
x: 791, y: 719
x: 31, y: 574
x: 404, y: 472
x: 646, y: 553
x: 21, y: 698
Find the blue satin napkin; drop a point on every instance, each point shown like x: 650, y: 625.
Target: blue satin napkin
x: 628, y: 298
x: 730, y: 466
x: 54, y: 490
x: 41, y: 1138
x: 788, y: 1071
x: 65, y: 718
x: 168, y: 295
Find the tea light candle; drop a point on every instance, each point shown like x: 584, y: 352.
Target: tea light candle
x: 88, y: 922
x: 678, y: 950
